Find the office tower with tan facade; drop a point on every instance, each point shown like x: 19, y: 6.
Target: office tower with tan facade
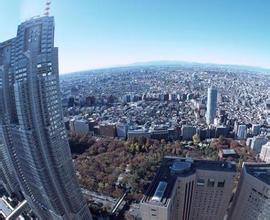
x: 251, y: 201
x: 184, y: 189
x: 33, y: 139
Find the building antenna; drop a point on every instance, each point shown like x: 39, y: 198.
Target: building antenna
x: 47, y: 8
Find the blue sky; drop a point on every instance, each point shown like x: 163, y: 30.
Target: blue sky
x: 101, y: 33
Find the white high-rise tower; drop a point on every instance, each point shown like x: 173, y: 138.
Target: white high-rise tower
x: 211, y: 105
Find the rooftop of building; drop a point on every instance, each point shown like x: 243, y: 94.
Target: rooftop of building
x: 6, y: 43
x: 5, y: 208
x: 259, y: 170
x: 159, y: 191
x: 228, y: 151
x: 267, y: 144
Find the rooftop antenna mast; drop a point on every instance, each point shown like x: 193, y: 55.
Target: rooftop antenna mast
x: 47, y: 8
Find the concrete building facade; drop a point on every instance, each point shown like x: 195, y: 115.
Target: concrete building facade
x: 184, y: 189
x: 211, y: 105
x: 257, y: 143
x: 251, y: 200
x: 242, y: 132
x: 265, y: 153
x: 79, y: 126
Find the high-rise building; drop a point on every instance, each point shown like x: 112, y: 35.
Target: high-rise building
x: 251, y: 200
x: 211, y: 105
x: 257, y: 143
x: 265, y: 153
x: 267, y: 106
x: 256, y: 128
x: 188, y: 132
x: 242, y: 132
x: 184, y: 189
x: 31, y: 126
x: 267, y: 110
x: 7, y: 173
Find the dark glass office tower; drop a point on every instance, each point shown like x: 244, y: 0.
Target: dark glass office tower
x: 32, y: 128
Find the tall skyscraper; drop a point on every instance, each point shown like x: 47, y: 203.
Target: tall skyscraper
x: 211, y: 105
x: 267, y: 110
x: 242, y: 132
x: 251, y: 200
x: 31, y: 126
x: 7, y: 173
x: 184, y: 189
x: 265, y: 153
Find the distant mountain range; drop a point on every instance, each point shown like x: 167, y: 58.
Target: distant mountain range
x: 232, y: 67
x: 185, y: 63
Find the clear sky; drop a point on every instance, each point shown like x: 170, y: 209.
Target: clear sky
x: 101, y: 33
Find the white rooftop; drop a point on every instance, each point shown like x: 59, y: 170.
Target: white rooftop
x: 5, y: 208
x: 228, y: 151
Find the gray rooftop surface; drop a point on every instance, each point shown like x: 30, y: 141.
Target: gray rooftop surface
x: 260, y: 170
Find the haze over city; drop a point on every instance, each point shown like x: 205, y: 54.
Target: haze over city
x: 98, y: 33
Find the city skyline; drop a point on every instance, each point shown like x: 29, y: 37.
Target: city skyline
x: 104, y: 34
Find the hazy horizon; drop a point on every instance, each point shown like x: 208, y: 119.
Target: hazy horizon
x: 168, y: 62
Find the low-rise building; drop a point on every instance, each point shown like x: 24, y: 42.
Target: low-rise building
x: 121, y: 130
x: 79, y: 126
x: 159, y: 133
x: 107, y: 130
x: 225, y: 153
x: 222, y: 131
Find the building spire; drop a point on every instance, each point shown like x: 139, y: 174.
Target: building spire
x: 47, y: 8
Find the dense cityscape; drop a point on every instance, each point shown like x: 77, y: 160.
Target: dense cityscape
x: 162, y: 109
x: 160, y: 140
